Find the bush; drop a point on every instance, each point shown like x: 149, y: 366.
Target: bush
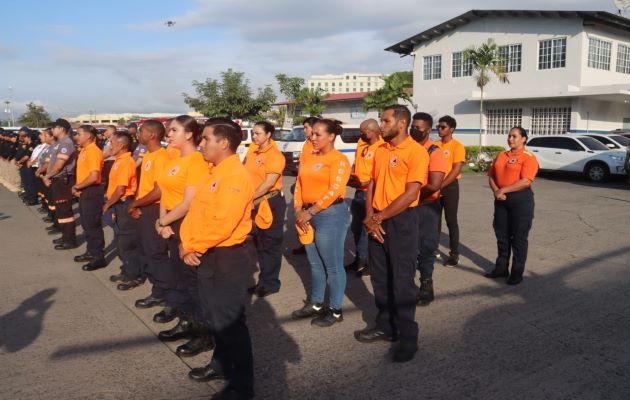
x: 479, y: 158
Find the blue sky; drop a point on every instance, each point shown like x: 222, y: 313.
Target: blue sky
x: 118, y: 56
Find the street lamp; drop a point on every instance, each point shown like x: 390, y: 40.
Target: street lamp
x: 9, y: 110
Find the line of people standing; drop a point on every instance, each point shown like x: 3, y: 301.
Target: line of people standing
x: 193, y: 220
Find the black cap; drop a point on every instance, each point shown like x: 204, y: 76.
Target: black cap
x: 132, y: 125
x: 62, y: 123
x: 24, y: 129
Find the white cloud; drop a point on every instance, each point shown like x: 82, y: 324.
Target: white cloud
x: 261, y: 39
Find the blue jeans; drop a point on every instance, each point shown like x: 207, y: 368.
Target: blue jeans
x: 357, y: 209
x: 325, y: 254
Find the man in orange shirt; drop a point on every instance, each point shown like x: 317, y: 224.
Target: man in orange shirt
x: 429, y: 208
x: 120, y: 191
x: 400, y: 170
x: 146, y: 209
x: 215, y: 238
x: 90, y: 193
x: 360, y: 178
x: 456, y: 155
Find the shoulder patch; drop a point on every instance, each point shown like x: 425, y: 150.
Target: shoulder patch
x: 528, y: 153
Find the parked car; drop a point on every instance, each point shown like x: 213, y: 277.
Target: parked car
x: 577, y: 153
x: 611, y: 140
x: 290, y: 144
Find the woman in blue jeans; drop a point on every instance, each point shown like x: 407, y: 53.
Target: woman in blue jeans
x: 319, y: 205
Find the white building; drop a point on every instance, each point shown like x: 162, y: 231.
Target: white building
x: 568, y: 71
x: 106, y: 119
x: 349, y: 82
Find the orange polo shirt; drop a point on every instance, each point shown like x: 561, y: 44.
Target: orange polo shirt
x: 437, y: 163
x: 322, y: 179
x: 307, y: 151
x: 268, y: 161
x: 153, y: 164
x: 90, y: 159
x: 394, y: 167
x: 123, y: 173
x: 454, y: 152
x: 220, y: 212
x: 364, y: 160
x: 179, y: 173
x: 509, y: 167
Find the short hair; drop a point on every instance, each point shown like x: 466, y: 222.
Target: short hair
x: 448, y: 120
x: 332, y: 125
x: 155, y: 127
x: 267, y: 126
x: 191, y: 125
x: 113, y: 127
x: 311, y: 121
x: 422, y: 116
x: 89, y: 129
x: 225, y: 128
x: 520, y: 130
x: 124, y: 138
x: 400, y: 112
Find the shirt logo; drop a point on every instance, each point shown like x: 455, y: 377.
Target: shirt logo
x: 513, y: 161
x: 115, y: 167
x: 447, y: 153
x: 394, y: 161
x: 64, y: 150
x: 369, y: 155
x: 213, y: 187
x: 147, y: 165
x: 259, y: 161
x: 83, y: 158
x: 317, y: 167
x: 173, y: 171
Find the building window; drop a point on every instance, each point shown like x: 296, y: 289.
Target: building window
x: 501, y: 120
x: 347, y: 90
x: 432, y: 67
x: 623, y: 59
x: 461, y: 67
x: 552, y: 53
x: 551, y: 120
x: 511, y: 53
x: 599, y: 54
x: 312, y: 84
x: 347, y: 76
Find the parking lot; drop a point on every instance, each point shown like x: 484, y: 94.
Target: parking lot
x: 563, y: 333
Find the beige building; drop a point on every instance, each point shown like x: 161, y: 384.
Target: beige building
x: 100, y: 119
x: 349, y: 82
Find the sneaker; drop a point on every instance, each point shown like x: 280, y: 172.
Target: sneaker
x: 309, y: 310
x: 328, y: 318
x: 452, y: 260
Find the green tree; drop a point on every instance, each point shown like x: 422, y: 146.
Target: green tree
x: 35, y: 116
x: 398, y: 85
x: 312, y: 101
x: 278, y: 116
x: 486, y: 60
x: 231, y: 97
x: 121, y: 121
x: 291, y: 87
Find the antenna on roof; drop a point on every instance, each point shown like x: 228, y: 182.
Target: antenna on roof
x: 622, y: 5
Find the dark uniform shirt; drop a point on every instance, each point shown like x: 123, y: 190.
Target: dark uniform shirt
x: 63, y: 146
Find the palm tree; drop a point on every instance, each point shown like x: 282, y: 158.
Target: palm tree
x: 395, y: 86
x: 486, y: 60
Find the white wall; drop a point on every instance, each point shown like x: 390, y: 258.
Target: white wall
x: 342, y: 111
x: 594, y: 77
x: 597, y: 115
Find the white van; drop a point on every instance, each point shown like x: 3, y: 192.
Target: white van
x: 290, y: 144
x: 246, y: 140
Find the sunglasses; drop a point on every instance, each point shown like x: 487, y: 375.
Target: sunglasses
x: 441, y: 126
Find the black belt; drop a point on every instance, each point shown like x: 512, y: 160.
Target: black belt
x: 309, y: 205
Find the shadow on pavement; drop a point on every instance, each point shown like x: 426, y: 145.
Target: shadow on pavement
x: 4, y: 216
x: 273, y: 350
x: 21, y: 327
x: 102, y: 347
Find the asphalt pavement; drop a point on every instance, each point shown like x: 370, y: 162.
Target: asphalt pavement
x: 564, y: 333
